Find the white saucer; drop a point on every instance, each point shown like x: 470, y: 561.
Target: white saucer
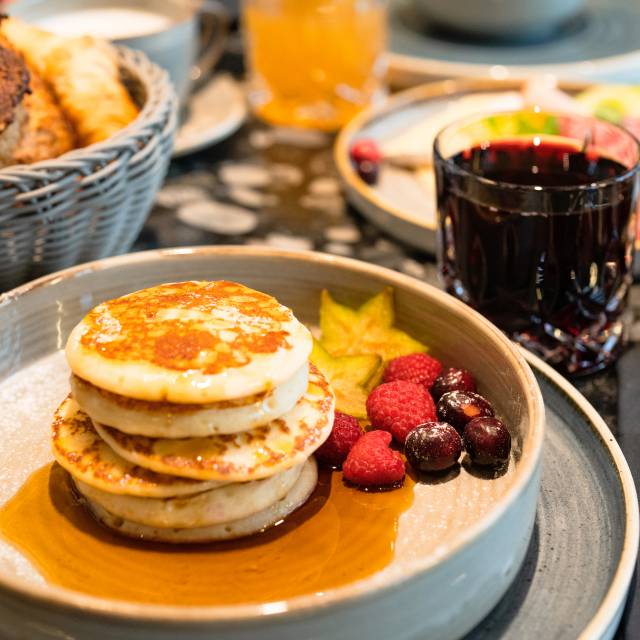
x: 213, y: 113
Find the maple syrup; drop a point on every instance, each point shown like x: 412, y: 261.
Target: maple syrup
x: 340, y: 535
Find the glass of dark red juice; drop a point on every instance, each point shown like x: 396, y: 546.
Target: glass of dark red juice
x: 536, y: 230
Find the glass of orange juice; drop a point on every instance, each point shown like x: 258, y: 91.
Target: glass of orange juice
x: 314, y: 63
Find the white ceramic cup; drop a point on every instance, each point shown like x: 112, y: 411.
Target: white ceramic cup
x: 511, y: 19
x: 186, y: 37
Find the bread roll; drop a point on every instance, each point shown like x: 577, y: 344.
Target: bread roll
x: 46, y: 132
x: 14, y: 84
x: 84, y: 75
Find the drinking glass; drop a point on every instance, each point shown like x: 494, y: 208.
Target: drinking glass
x: 314, y: 63
x: 536, y: 228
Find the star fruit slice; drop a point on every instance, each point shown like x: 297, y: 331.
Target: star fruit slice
x: 366, y: 330
x: 348, y: 376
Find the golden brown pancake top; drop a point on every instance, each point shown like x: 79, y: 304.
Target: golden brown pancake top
x: 219, y: 325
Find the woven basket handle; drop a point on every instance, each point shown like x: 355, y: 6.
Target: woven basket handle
x: 214, y: 19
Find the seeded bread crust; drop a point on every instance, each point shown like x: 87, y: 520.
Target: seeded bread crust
x: 14, y: 83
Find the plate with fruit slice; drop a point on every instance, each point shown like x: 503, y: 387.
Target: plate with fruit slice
x: 460, y: 529
x: 384, y: 155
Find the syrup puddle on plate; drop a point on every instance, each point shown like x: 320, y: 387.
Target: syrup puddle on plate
x: 339, y: 536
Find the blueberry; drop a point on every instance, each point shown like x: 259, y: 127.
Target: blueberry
x: 452, y: 379
x: 433, y: 446
x: 487, y: 441
x: 458, y: 407
x: 368, y: 171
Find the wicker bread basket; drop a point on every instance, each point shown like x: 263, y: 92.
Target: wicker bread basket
x: 91, y: 202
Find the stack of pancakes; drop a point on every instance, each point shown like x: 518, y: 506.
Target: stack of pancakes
x: 194, y: 412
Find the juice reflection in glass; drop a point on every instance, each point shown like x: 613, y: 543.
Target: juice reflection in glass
x: 314, y: 63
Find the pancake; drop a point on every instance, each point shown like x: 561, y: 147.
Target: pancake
x: 171, y: 420
x: 189, y: 342
x: 299, y: 494
x: 80, y: 450
x: 216, y: 506
x: 240, y: 457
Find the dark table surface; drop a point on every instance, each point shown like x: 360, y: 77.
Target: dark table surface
x: 277, y: 187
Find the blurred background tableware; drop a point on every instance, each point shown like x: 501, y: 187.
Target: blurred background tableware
x: 597, y: 44
x: 512, y: 20
x: 536, y: 224
x: 401, y: 200
x: 185, y: 37
x: 315, y: 63
x: 168, y: 31
x: 215, y: 111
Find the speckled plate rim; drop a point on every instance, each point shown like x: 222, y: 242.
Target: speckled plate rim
x: 80, y: 604
x: 429, y: 91
x: 401, y: 65
x: 613, y: 602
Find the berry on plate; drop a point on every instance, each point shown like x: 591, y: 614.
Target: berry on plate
x: 458, y: 407
x: 345, y: 433
x: 452, y: 379
x: 487, y: 441
x: 368, y: 172
x: 399, y: 407
x: 365, y: 150
x: 416, y: 367
x: 372, y: 464
x: 433, y: 446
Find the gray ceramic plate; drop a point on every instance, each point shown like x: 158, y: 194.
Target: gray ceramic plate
x: 599, y: 45
x: 582, y: 554
x: 587, y: 522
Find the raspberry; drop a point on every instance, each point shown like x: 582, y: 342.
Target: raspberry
x: 416, y: 367
x: 346, y: 431
x: 399, y: 407
x: 371, y: 463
